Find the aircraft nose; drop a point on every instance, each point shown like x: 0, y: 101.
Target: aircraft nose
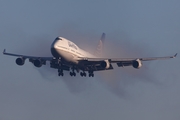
x: 54, y: 44
x: 54, y: 49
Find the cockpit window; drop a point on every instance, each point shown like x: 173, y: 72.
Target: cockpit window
x: 58, y: 38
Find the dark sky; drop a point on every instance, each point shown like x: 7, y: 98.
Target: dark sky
x: 133, y: 28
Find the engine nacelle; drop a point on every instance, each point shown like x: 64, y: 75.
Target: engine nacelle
x: 137, y: 64
x: 37, y: 63
x: 20, y: 61
x: 105, y: 64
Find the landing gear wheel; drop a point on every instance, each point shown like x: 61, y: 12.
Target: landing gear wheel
x: 60, y: 72
x: 83, y: 74
x: 72, y: 73
x: 91, y: 74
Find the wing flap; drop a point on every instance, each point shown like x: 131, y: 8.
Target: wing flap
x: 97, y: 67
x: 124, y: 63
x: 94, y: 64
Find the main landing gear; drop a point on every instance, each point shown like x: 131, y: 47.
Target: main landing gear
x: 83, y: 74
x: 72, y: 73
x: 91, y: 74
x: 60, y: 72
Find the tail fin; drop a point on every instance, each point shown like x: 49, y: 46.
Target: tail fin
x: 99, y: 49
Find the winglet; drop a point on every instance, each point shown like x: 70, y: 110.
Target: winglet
x: 175, y: 55
x: 4, y: 51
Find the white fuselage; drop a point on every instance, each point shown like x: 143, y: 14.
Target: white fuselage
x: 68, y: 51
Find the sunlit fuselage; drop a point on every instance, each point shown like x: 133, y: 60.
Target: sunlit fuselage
x: 68, y: 51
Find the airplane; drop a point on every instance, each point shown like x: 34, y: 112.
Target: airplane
x: 67, y: 56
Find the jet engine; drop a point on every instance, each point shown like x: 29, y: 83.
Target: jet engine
x: 38, y: 63
x: 20, y: 61
x: 105, y: 64
x: 137, y: 64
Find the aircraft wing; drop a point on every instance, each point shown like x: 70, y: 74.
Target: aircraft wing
x: 38, y: 61
x: 142, y: 59
x: 121, y: 62
x: 115, y: 60
x: 28, y: 57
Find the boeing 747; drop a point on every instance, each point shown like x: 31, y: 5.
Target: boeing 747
x: 67, y: 56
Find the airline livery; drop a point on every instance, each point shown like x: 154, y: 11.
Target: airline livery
x: 67, y: 56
